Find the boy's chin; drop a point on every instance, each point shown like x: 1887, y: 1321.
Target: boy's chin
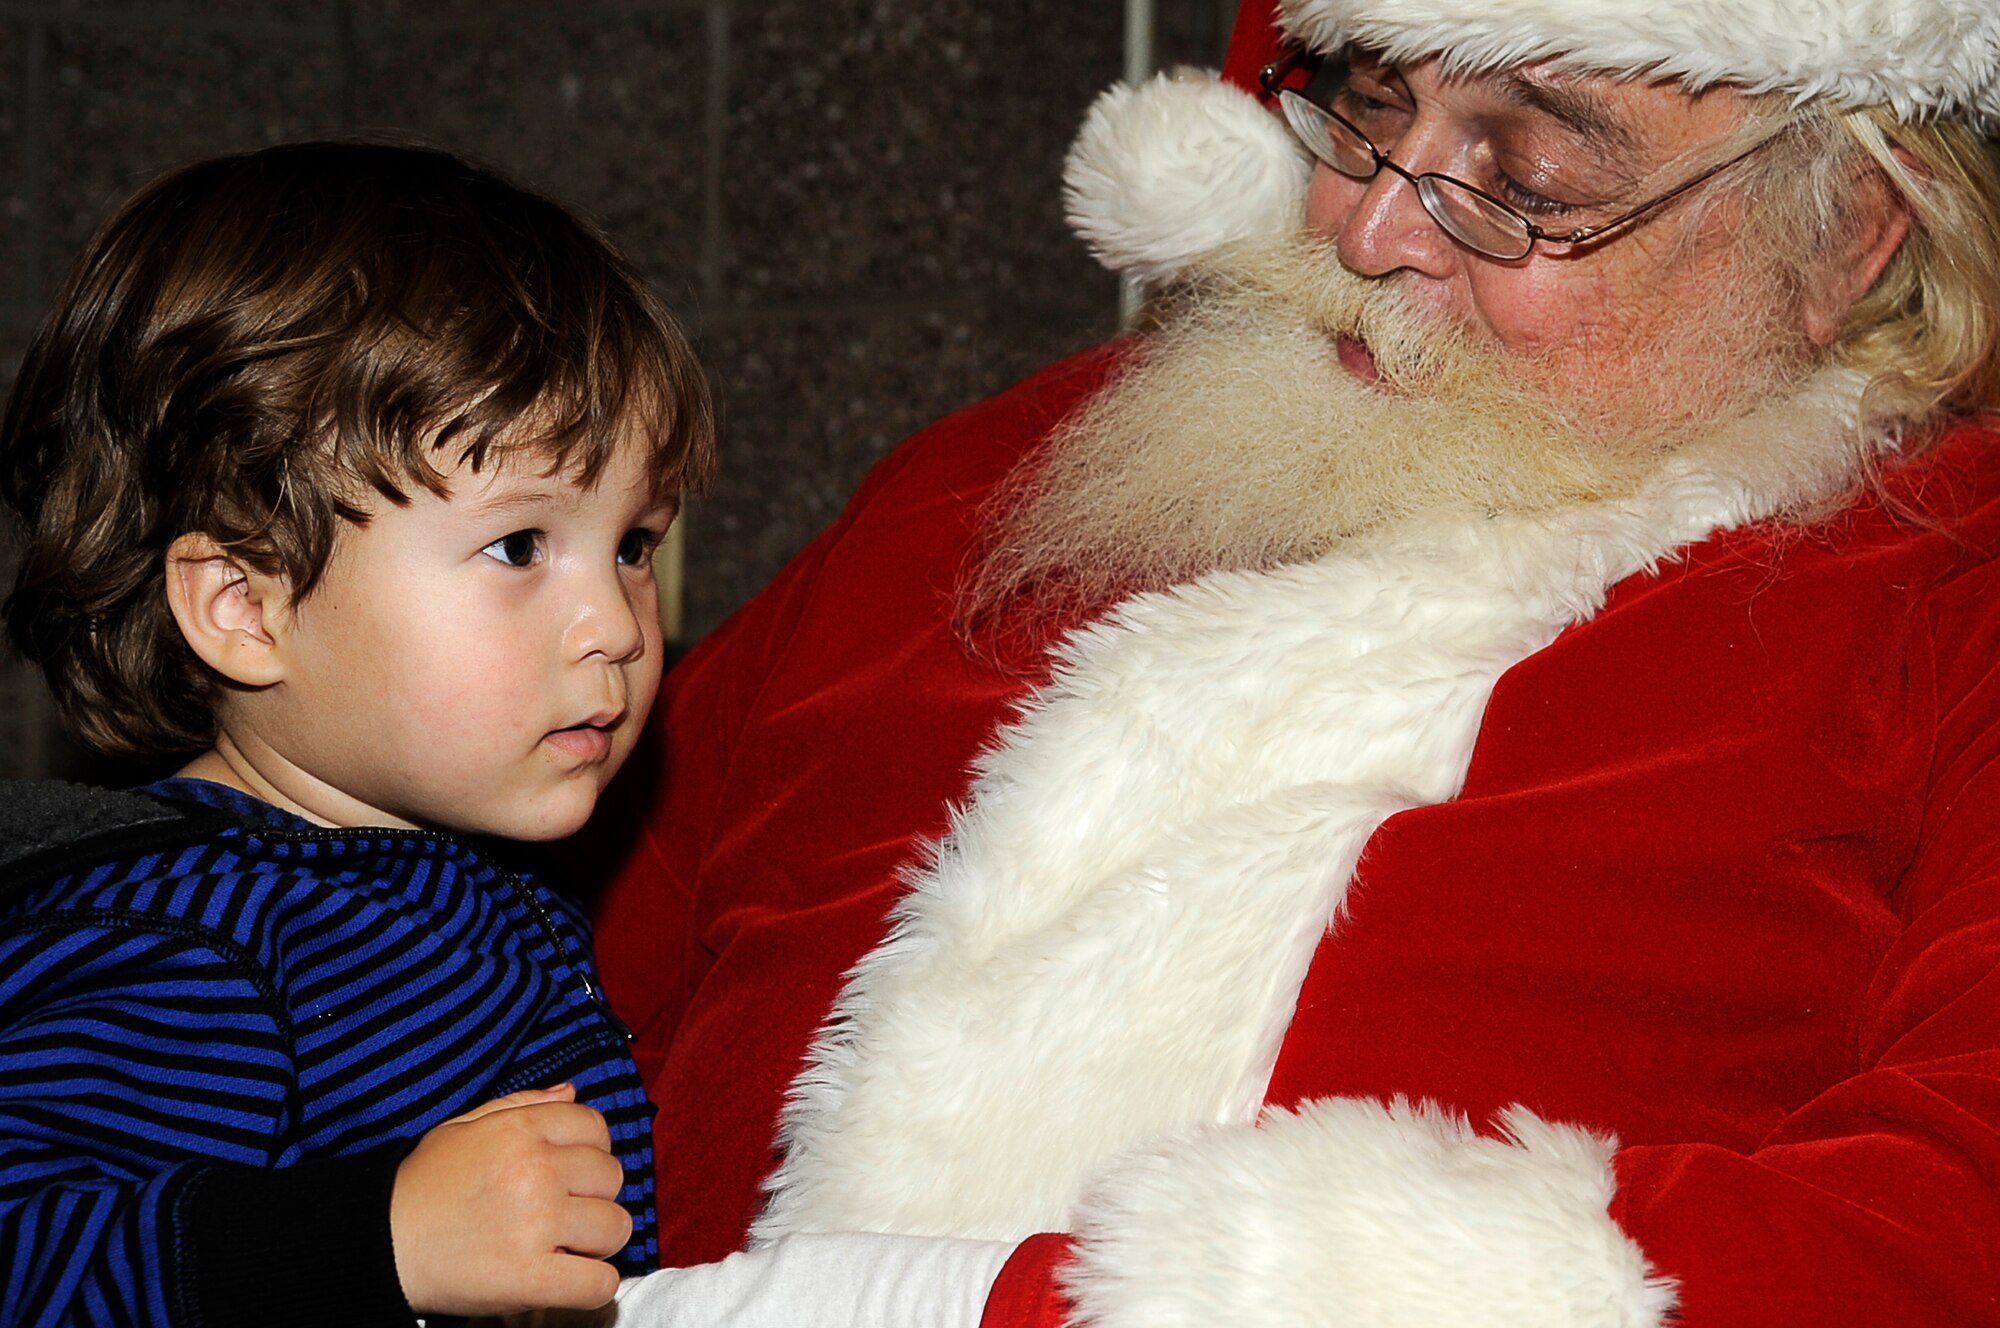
x: 536, y: 821
x: 547, y: 829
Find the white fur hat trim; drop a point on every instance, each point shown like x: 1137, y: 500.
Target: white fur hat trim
x: 1928, y: 59
x: 1180, y: 165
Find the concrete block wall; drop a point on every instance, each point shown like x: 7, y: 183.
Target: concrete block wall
x: 853, y: 202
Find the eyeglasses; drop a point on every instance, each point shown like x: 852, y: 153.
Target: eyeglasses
x: 1471, y: 216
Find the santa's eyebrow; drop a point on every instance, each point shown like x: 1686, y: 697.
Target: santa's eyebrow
x: 1577, y: 110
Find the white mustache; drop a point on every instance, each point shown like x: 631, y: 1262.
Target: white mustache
x: 1237, y: 439
x: 1303, y: 281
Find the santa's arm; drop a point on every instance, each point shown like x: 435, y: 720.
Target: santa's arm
x: 1878, y: 1201
x: 814, y: 1280
x: 1875, y: 1203
x: 1352, y: 1212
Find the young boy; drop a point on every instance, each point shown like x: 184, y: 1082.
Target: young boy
x: 342, y: 466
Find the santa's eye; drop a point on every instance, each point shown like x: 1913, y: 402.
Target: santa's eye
x: 517, y: 549
x: 1526, y: 201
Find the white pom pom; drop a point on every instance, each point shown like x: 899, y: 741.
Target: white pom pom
x: 1165, y: 172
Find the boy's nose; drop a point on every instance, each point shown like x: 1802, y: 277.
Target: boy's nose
x: 609, y: 624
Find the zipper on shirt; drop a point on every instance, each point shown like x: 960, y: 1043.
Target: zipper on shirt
x: 513, y: 883
x: 526, y: 893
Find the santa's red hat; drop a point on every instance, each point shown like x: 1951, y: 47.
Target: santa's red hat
x: 1167, y: 171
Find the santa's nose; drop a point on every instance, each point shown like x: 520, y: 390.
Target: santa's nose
x: 1379, y: 225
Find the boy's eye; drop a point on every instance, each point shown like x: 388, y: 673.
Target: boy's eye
x: 635, y: 549
x: 517, y: 549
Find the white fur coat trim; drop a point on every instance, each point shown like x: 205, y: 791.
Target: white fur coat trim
x: 1925, y: 58
x: 1104, y: 951
x: 1401, y: 1218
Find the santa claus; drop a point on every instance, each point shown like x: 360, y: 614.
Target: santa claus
x: 1452, y: 779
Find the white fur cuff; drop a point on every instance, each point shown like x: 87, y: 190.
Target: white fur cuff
x: 1347, y: 1213
x: 1165, y: 172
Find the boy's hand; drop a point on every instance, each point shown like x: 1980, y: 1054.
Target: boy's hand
x: 511, y: 1206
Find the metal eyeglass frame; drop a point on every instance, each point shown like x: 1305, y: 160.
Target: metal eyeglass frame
x: 1296, y: 103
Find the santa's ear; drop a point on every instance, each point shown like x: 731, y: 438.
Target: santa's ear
x: 1878, y: 221
x: 231, y: 614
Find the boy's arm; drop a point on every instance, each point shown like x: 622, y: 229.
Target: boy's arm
x: 145, y: 1085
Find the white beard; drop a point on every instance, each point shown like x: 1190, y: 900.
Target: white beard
x: 1235, y: 438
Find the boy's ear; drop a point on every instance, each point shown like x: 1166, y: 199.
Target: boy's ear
x: 230, y: 613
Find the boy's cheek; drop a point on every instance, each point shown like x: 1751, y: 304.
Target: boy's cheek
x: 644, y: 682
x: 642, y: 688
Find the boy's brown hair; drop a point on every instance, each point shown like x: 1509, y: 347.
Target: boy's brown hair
x: 254, y: 345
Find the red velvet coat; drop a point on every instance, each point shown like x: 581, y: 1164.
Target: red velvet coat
x: 1724, y: 880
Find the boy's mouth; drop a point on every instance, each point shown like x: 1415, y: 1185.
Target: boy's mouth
x: 588, y: 742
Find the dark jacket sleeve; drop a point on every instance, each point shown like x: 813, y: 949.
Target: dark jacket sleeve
x: 146, y: 1084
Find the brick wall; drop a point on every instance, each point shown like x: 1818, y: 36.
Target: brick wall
x: 854, y: 204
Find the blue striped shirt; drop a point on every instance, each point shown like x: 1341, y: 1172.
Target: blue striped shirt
x: 206, y: 1030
